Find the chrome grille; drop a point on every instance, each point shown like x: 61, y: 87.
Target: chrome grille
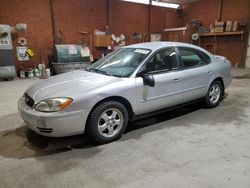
x: 45, y: 130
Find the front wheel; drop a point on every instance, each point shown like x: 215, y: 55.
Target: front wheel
x: 107, y: 122
x: 214, y: 94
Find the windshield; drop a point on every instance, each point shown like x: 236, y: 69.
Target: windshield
x: 120, y: 63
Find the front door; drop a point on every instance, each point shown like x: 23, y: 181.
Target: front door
x: 163, y: 65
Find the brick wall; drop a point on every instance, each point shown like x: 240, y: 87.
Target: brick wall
x: 72, y: 16
x: 208, y: 11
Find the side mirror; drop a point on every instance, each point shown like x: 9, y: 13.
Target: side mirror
x: 148, y: 79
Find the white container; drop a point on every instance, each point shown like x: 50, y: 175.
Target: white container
x: 40, y: 66
x: 48, y: 72
x: 22, y: 74
x: 30, y: 74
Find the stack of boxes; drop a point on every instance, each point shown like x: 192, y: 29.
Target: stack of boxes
x: 232, y: 26
x: 219, y: 26
x: 229, y: 26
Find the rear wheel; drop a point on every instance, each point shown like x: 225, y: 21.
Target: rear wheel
x: 214, y: 94
x: 107, y: 122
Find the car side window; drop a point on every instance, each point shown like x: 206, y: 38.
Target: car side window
x: 193, y: 58
x: 163, y: 60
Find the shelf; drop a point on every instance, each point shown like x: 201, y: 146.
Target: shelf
x: 213, y: 40
x: 222, y: 34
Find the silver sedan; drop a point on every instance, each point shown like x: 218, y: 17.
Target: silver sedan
x: 132, y: 82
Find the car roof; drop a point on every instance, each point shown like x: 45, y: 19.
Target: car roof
x: 158, y: 45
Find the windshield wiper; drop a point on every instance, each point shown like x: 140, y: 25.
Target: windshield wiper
x: 98, y: 71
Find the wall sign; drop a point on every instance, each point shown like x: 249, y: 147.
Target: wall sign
x: 21, y: 53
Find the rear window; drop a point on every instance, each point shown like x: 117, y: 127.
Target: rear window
x: 193, y: 58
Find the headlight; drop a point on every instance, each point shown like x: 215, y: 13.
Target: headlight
x: 53, y: 104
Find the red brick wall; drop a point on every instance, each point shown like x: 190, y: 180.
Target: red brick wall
x: 36, y: 14
x: 128, y: 17
x: 172, y: 19
x: 208, y: 11
x: 73, y: 16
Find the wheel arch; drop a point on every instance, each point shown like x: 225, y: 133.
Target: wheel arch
x: 222, y: 83
x: 120, y: 99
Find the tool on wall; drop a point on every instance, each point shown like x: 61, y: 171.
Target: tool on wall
x: 22, y: 41
x: 195, y: 37
x: 30, y: 53
x: 23, y: 52
x: 199, y: 29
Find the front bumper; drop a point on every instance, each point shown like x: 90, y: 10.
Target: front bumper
x: 55, y: 124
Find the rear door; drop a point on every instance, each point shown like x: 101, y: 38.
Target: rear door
x: 197, y: 73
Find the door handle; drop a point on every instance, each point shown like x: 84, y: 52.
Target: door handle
x: 177, y: 79
x: 209, y: 72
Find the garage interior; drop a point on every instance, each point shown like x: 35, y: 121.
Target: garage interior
x: 187, y: 147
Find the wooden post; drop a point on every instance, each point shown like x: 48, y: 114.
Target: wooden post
x: 108, y: 13
x: 52, y: 8
x: 149, y: 19
x: 220, y: 10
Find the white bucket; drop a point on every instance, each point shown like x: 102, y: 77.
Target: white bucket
x: 40, y: 66
x: 22, y: 74
x: 48, y: 72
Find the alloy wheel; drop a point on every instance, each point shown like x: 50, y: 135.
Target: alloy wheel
x: 214, y: 93
x: 110, y: 122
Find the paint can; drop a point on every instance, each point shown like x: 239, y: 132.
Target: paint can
x: 30, y: 73
x: 22, y: 74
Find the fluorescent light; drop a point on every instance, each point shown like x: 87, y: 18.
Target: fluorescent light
x: 155, y: 3
x: 138, y: 1
x: 168, y: 5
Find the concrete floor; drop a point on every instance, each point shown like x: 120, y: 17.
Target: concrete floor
x: 190, y: 147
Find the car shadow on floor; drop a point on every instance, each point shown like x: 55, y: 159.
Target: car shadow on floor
x: 23, y: 143
x: 166, y: 116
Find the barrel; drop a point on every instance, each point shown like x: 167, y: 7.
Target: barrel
x: 68, y: 53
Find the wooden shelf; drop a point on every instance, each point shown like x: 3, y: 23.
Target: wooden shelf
x: 222, y: 34
x: 215, y: 37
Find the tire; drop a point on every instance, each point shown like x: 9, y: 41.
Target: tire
x: 107, y: 122
x: 8, y: 79
x: 214, y: 94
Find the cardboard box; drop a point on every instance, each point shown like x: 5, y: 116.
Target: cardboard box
x: 229, y: 26
x: 235, y: 26
x: 219, y: 26
x: 102, y: 40
x: 232, y: 26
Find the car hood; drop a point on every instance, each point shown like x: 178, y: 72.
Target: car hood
x: 71, y: 84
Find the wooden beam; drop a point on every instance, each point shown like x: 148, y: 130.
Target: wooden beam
x: 53, y: 20
x: 149, y: 19
x: 220, y: 10
x: 108, y: 13
x: 163, y: 24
